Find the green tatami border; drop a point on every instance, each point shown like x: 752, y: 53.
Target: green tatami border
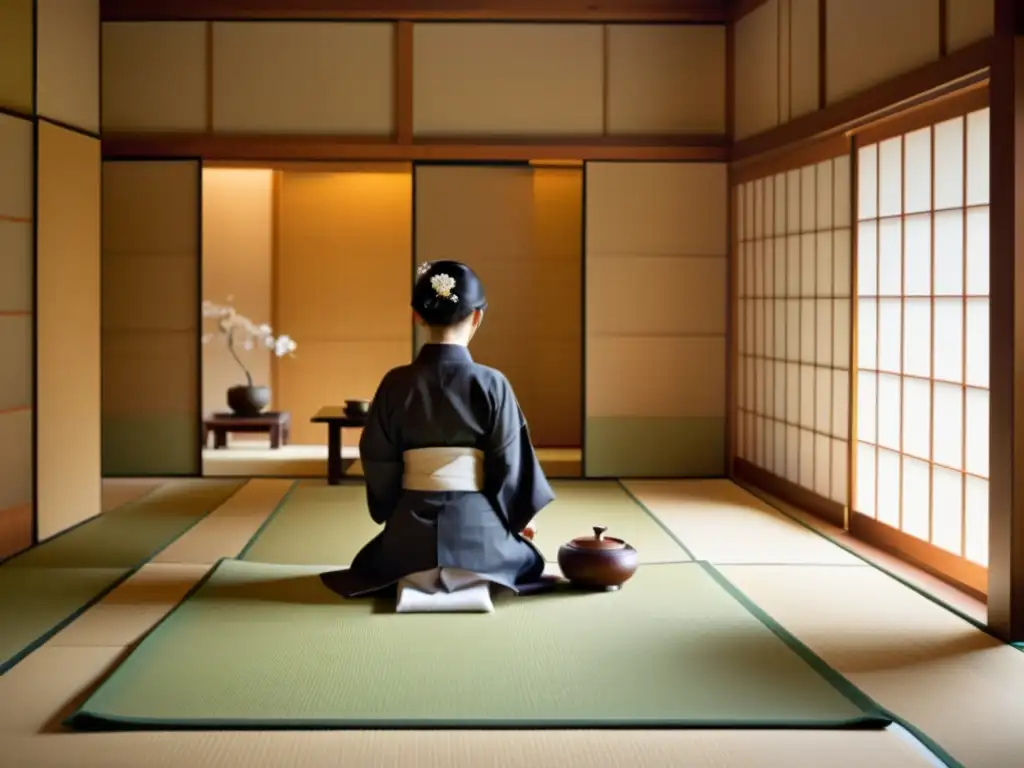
x: 668, y: 531
x: 40, y: 640
x: 796, y: 644
x: 874, y: 717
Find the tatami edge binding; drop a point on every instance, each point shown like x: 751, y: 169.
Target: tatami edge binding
x: 656, y: 519
x: 17, y: 658
x: 839, y: 681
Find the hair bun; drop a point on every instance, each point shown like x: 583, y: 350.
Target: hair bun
x: 446, y: 292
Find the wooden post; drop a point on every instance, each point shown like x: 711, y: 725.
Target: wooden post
x: 1006, y: 527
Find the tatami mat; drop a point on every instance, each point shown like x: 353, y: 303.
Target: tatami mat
x: 469, y: 749
x: 932, y: 668
x: 39, y: 693
x: 947, y: 678
x: 121, y: 490
x: 226, y: 531
x: 133, y: 608
x: 722, y: 523
x: 320, y: 524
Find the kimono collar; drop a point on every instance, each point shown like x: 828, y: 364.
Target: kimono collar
x: 455, y: 353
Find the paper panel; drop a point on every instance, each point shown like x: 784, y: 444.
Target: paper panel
x: 665, y: 79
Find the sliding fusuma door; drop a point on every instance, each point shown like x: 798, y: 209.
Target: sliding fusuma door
x: 518, y: 226
x: 656, y: 267
x: 151, y: 318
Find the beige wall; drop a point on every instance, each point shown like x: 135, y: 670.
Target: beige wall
x: 16, y: 306
x: 68, y: 332
x: 777, y: 51
x: 481, y: 78
x: 16, y: 52
x: 656, y: 266
x: 68, y: 62
x: 237, y: 270
x: 342, y: 267
x: 49, y: 385
x: 519, y: 229
x: 151, y: 269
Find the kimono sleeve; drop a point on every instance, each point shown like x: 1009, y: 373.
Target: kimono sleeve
x: 381, y: 458
x: 514, y: 480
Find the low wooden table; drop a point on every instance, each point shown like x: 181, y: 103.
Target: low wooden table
x: 336, y: 419
x: 277, y: 423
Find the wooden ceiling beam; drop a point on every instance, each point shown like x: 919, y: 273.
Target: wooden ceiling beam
x: 694, y: 11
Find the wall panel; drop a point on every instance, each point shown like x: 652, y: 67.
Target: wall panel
x: 237, y: 270
x: 17, y: 48
x: 519, y: 229
x: 659, y: 231
x: 803, y: 68
x: 507, y: 79
x: 665, y: 79
x: 342, y: 265
x: 968, y: 21
x: 16, y: 307
x: 68, y: 356
x: 68, y: 60
x: 296, y: 77
x: 150, y: 318
x: 794, y: 325
x: 154, y: 76
x: 904, y: 35
x: 756, y: 71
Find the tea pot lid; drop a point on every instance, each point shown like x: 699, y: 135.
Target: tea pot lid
x: 598, y: 541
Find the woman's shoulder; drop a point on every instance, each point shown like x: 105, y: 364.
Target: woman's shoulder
x: 491, y: 377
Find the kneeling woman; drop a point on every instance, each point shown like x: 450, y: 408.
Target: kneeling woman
x: 450, y: 470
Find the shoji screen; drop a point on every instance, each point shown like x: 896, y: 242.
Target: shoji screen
x: 923, y: 339
x: 793, y: 327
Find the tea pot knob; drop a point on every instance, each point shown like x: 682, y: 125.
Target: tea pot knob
x: 599, y: 531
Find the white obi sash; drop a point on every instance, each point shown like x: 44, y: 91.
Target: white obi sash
x: 443, y: 468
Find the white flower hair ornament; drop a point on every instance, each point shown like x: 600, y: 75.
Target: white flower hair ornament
x: 423, y: 269
x: 443, y: 286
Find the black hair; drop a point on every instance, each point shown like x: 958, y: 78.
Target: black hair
x: 446, y: 293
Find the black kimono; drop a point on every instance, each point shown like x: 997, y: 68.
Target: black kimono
x: 444, y: 399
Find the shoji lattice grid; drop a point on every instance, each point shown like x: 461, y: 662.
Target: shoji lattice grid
x: 923, y: 334
x: 793, y: 377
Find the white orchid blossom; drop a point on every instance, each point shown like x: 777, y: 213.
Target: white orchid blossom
x: 235, y: 327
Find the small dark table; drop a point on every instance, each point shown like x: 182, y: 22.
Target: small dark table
x: 277, y: 423
x: 336, y: 419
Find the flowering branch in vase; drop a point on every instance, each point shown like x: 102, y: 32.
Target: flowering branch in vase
x: 234, y: 327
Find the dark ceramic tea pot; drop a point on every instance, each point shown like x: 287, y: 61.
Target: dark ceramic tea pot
x: 598, y: 561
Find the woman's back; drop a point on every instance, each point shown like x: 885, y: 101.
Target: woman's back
x: 450, y: 470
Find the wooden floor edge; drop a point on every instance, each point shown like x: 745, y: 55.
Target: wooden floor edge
x: 957, y: 572
x: 953, y: 571
x: 831, y: 512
